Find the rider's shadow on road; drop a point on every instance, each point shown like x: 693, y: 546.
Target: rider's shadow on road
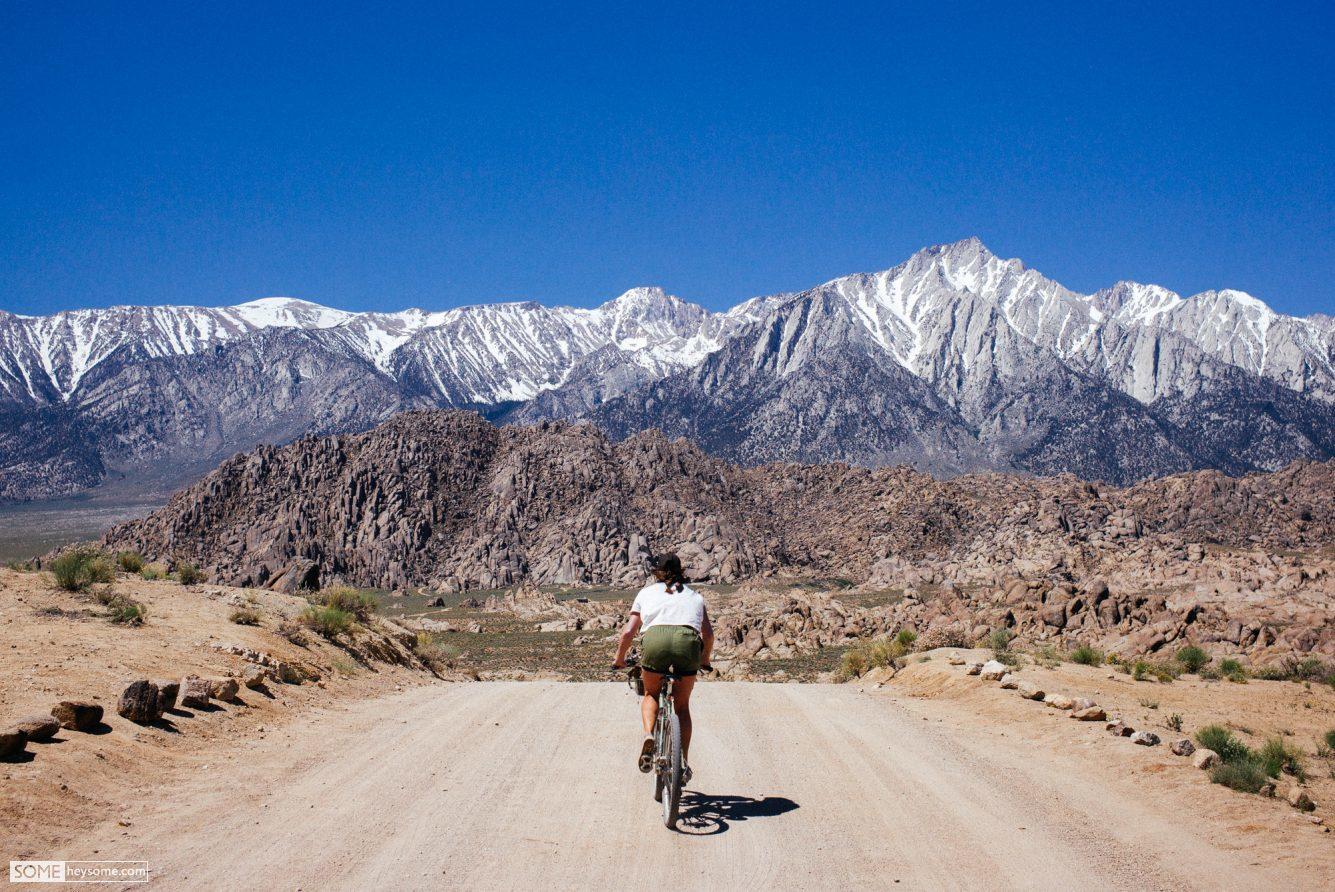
x: 703, y: 814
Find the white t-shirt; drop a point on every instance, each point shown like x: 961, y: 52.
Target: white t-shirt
x: 659, y: 607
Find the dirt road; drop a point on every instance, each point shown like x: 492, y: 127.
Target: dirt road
x: 532, y: 786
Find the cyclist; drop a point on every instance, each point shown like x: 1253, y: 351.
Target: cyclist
x: 677, y: 638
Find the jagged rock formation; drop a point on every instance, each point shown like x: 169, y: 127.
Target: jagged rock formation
x: 447, y: 500
x: 955, y: 360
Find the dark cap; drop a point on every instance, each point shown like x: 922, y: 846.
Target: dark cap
x: 668, y: 563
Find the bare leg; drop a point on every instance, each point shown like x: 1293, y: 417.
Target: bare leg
x: 653, y: 681
x: 681, y: 699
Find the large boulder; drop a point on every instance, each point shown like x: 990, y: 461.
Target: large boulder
x: 77, y: 715
x: 196, y: 692
x: 39, y: 727
x: 12, y: 742
x: 139, y: 702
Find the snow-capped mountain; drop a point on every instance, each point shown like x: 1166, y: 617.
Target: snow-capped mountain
x: 953, y: 360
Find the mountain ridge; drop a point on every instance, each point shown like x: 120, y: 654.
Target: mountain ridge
x: 963, y: 360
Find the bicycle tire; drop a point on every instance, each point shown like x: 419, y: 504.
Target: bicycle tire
x: 672, y: 785
x: 661, y: 739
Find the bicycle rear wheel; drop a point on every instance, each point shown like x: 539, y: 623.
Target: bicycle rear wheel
x: 672, y: 782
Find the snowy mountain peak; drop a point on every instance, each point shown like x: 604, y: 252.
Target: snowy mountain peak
x: 289, y: 312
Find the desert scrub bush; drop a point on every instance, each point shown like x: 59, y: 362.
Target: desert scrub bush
x: 75, y: 571
x: 328, y: 621
x: 293, y: 632
x: 1148, y: 703
x: 1279, y: 757
x: 153, y: 571
x: 122, y: 610
x: 1174, y: 722
x: 130, y: 561
x: 245, y: 616
x: 21, y: 566
x: 1140, y: 670
x: 349, y: 600
x: 1245, y: 775
x: 867, y: 654
x: 1223, y: 742
x: 1330, y: 739
x: 999, y: 640
x: 1233, y: 671
x: 189, y: 573
x: 1086, y: 656
x: 905, y: 638
x: 435, y: 654
x: 1192, y: 658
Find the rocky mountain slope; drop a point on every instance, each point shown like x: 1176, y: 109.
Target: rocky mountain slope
x: 448, y: 501
x: 955, y: 360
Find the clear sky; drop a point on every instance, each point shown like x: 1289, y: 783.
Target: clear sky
x: 384, y: 155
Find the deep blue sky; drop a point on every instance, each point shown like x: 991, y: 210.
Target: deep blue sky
x: 386, y: 155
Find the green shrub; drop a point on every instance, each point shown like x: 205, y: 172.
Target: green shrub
x: 129, y: 613
x: 245, y: 616
x: 867, y: 654
x: 328, y: 621
x: 350, y: 600
x: 1140, y: 670
x: 153, y: 571
x: 189, y: 573
x: 1174, y: 722
x: 130, y: 561
x: 1192, y: 658
x: 1086, y: 656
x: 1246, y: 775
x: 76, y: 570
x: 905, y: 638
x: 1330, y: 739
x: 1223, y: 742
x: 1279, y: 757
x: 24, y: 566
x: 1148, y: 703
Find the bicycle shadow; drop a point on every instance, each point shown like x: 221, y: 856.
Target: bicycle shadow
x: 703, y: 814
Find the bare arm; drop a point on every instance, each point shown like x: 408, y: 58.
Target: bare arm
x: 707, y: 636
x: 627, y: 638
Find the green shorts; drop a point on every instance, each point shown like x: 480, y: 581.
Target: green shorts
x: 671, y: 648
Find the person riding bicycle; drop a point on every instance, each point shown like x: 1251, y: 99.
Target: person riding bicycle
x: 678, y: 639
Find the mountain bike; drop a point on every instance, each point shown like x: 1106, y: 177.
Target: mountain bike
x: 667, y: 746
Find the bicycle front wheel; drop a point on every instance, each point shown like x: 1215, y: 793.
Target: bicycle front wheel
x: 672, y: 782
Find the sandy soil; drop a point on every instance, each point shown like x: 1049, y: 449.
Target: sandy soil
x: 532, y: 785
x: 62, y: 788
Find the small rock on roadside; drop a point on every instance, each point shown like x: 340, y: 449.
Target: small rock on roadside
x: 1119, y: 728
x: 1204, y: 758
x: 39, y: 727
x: 1183, y: 747
x: 955, y: 660
x: 1029, y: 692
x: 139, y: 702
x: 993, y: 670
x: 1145, y: 738
x: 77, y: 715
x: 167, y: 691
x: 1299, y: 799
x: 195, y: 692
x: 1078, y: 703
x: 1059, y: 701
x: 12, y: 741
x: 254, y: 677
x: 1009, y: 682
x: 879, y: 675
x: 973, y: 668
x: 224, y: 688
x: 1089, y: 714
